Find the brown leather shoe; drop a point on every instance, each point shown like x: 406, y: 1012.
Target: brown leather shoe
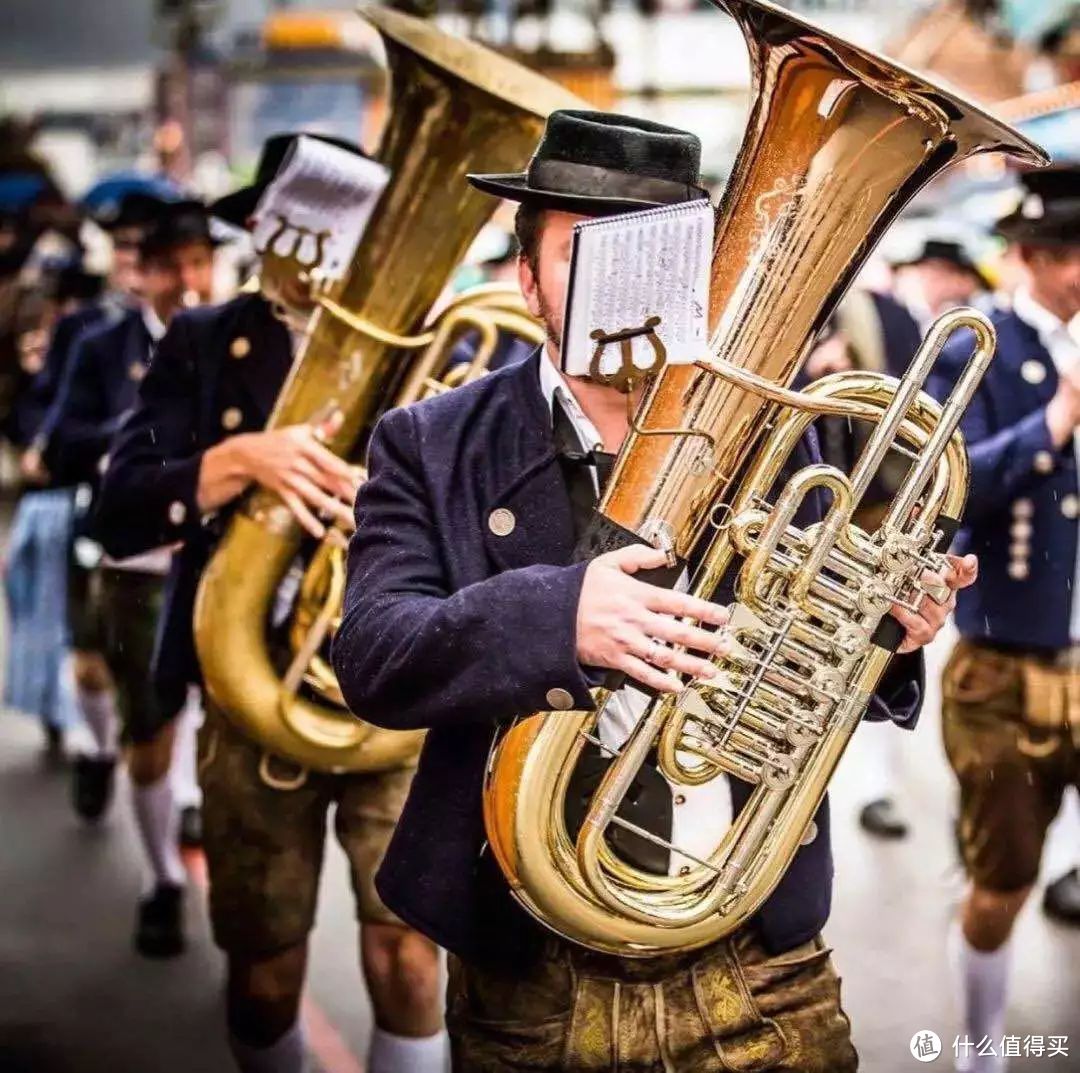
x: 1061, y: 899
x: 881, y: 819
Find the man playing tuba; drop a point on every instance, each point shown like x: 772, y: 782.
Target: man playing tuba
x: 463, y: 611
x: 194, y: 445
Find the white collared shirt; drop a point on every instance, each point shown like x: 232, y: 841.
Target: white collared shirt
x: 701, y: 814
x: 154, y: 324
x: 1064, y: 350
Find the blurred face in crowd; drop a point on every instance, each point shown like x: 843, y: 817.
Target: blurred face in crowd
x: 126, y: 274
x: 1053, y: 277
x: 179, y: 277
x: 543, y: 276
x: 936, y: 285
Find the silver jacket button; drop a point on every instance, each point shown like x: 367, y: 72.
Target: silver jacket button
x: 177, y: 512
x: 560, y: 699
x: 231, y: 419
x: 809, y: 834
x: 240, y: 347
x: 1070, y: 506
x: 1019, y: 569
x: 1023, y: 508
x: 136, y: 371
x: 1043, y: 462
x: 501, y: 522
x: 1033, y: 371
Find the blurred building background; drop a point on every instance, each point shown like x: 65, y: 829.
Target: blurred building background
x: 194, y: 86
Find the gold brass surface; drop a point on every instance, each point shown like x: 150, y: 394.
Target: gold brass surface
x: 839, y: 140
x: 456, y: 107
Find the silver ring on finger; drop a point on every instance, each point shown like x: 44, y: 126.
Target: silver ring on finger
x: 653, y: 654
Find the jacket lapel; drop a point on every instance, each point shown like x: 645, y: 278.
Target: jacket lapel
x: 528, y: 519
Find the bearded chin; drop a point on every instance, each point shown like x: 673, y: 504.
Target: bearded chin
x: 552, y: 328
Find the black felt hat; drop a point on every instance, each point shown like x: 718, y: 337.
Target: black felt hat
x: 236, y: 208
x: 1049, y: 209
x: 139, y: 208
x: 953, y: 253
x: 599, y: 163
x: 175, y: 224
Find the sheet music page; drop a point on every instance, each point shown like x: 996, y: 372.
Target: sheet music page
x: 627, y: 269
x: 322, y: 195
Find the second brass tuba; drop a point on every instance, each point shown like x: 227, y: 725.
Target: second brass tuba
x: 456, y: 107
x: 839, y: 140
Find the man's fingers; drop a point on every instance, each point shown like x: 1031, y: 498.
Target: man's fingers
x: 683, y: 605
x: 672, y: 630
x: 325, y: 459
x: 637, y: 557
x: 303, y: 515
x: 648, y: 675
x: 317, y: 498
x: 962, y: 572
x: 917, y: 630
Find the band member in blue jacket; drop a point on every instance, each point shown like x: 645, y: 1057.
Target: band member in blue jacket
x: 113, y: 605
x: 1011, y: 707
x: 463, y: 610
x: 179, y: 468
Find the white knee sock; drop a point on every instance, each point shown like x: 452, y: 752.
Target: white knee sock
x: 983, y: 979
x: 183, y: 767
x: 159, y: 824
x: 288, y: 1054
x: 408, y: 1054
x: 98, y: 708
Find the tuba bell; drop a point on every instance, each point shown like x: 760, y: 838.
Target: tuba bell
x: 456, y: 107
x: 839, y: 140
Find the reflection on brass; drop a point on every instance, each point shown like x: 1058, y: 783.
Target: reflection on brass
x: 839, y: 140
x: 456, y: 108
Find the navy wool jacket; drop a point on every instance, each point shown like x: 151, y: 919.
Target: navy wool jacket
x: 98, y: 387
x: 453, y: 628
x: 202, y: 386
x: 1021, y: 518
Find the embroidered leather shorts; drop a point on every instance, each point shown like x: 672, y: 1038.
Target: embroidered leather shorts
x: 264, y: 843
x: 728, y: 1009
x: 1011, y: 736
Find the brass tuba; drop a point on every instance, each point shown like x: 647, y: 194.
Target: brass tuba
x: 839, y: 140
x: 457, y: 107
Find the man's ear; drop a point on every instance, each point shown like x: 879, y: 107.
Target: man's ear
x: 530, y: 287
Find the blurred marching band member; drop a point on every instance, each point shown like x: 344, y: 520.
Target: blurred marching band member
x: 870, y: 332
x: 1011, y: 707
x: 39, y: 545
x: 940, y: 277
x: 35, y: 566
x: 114, y: 604
x: 178, y: 469
x: 462, y: 611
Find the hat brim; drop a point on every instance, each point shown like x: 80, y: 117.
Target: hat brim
x: 1050, y: 230
x: 514, y: 186
x: 964, y: 266
x: 238, y: 207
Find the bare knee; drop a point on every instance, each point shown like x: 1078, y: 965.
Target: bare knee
x: 263, y: 995
x: 149, y: 761
x: 401, y: 967
x: 91, y: 672
x: 989, y: 916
